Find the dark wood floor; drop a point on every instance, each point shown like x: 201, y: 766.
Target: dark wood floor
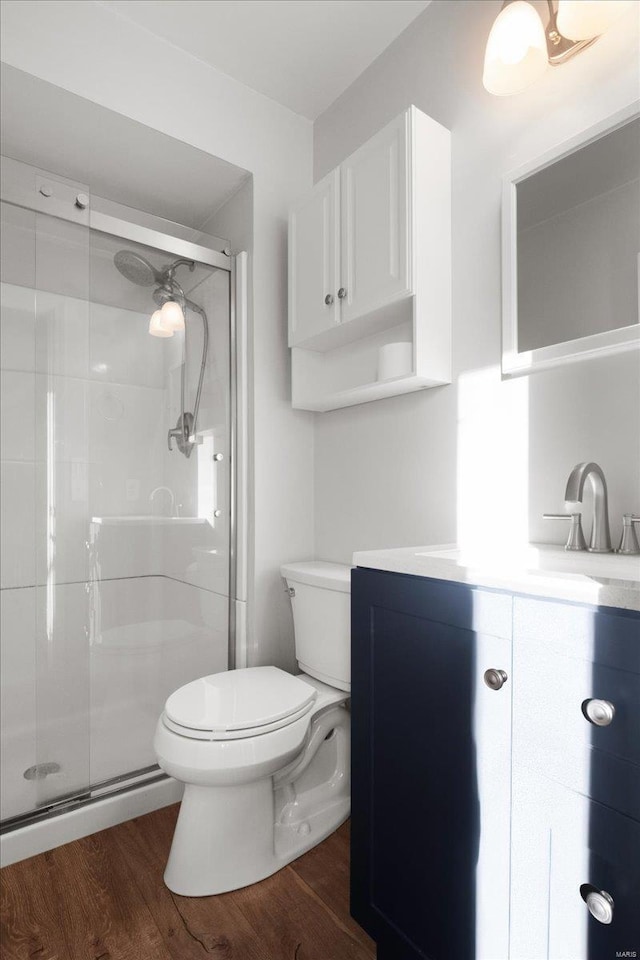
x: 102, y: 898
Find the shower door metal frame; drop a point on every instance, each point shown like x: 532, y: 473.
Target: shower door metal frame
x: 14, y: 193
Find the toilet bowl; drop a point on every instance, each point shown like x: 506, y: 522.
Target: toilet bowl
x: 264, y: 755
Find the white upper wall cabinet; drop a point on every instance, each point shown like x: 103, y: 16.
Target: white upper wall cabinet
x: 370, y: 266
x: 375, y: 222
x: 314, y: 266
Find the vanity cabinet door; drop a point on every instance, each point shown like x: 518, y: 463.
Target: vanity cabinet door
x: 314, y: 250
x: 430, y: 768
x: 376, y: 222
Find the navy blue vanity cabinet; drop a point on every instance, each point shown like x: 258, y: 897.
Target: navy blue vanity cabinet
x: 430, y: 767
x: 576, y: 781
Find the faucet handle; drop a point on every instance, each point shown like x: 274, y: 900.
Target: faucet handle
x: 575, y: 540
x: 629, y: 542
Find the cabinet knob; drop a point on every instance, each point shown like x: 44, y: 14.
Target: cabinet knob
x: 328, y: 299
x: 495, y: 678
x: 600, y: 905
x: 342, y: 292
x: 599, y: 712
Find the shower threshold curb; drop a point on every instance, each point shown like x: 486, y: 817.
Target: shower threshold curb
x: 88, y: 816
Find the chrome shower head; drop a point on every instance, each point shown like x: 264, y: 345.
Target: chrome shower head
x: 136, y: 269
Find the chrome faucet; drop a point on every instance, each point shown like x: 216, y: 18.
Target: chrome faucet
x: 600, y: 539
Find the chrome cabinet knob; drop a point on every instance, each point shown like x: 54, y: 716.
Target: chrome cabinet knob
x: 342, y: 292
x: 495, y: 679
x: 599, y: 712
x: 328, y: 299
x: 82, y: 201
x: 600, y: 905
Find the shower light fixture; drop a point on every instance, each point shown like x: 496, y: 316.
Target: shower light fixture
x: 166, y: 321
x: 519, y: 48
x: 172, y: 315
x: 159, y: 326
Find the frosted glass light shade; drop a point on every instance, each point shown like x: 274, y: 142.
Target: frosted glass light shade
x: 516, y: 54
x: 583, y: 19
x: 172, y: 315
x: 158, y: 326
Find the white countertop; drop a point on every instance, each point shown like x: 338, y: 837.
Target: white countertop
x: 538, y: 569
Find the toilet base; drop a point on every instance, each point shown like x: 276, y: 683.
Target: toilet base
x: 221, y: 844
x: 293, y: 840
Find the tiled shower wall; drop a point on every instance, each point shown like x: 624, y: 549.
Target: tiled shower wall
x: 112, y: 595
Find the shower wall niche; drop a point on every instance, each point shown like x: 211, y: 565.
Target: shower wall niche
x: 115, y: 550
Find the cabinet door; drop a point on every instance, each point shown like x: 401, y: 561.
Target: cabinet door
x: 314, y: 250
x: 375, y: 193
x: 430, y: 770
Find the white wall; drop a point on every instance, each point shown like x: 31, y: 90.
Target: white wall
x: 481, y: 458
x: 88, y: 49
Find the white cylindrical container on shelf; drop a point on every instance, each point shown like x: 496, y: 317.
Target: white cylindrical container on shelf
x: 395, y: 360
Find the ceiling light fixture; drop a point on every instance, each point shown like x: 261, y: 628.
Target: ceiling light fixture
x: 580, y: 19
x: 519, y: 48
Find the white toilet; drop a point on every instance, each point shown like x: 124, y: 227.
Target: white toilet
x: 264, y: 755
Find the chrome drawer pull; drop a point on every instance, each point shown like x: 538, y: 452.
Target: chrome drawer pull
x: 599, y: 712
x: 600, y: 905
x: 495, y: 678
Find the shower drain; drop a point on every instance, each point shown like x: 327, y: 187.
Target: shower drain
x: 41, y: 770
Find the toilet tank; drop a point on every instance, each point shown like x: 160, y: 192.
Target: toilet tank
x: 321, y: 601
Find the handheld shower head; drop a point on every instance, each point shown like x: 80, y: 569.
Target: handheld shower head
x: 136, y: 269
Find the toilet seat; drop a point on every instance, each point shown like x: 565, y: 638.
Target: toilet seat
x: 238, y: 704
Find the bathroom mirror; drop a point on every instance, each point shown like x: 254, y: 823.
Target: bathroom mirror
x: 571, y: 250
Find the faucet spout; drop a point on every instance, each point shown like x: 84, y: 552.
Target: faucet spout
x: 600, y: 539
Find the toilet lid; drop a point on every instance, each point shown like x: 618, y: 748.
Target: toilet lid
x: 239, y: 700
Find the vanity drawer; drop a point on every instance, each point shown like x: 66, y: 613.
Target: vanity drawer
x: 564, y: 658
x: 592, y: 849
x: 610, y: 638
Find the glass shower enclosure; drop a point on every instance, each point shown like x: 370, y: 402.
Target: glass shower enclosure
x: 117, y: 510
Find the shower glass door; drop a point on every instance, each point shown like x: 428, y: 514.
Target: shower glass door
x: 115, y: 548
x: 157, y: 548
